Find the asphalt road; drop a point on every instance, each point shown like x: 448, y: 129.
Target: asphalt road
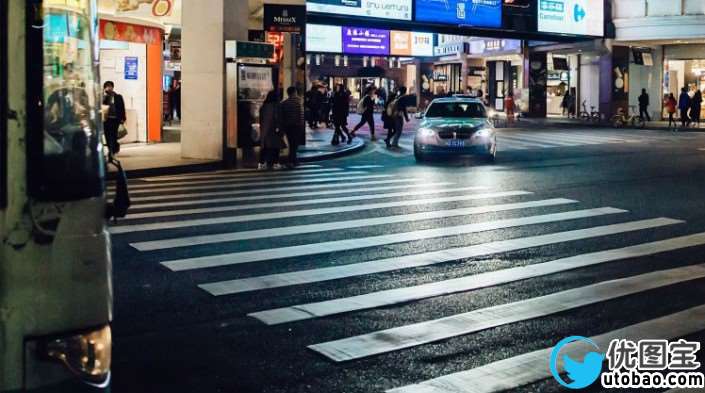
x: 185, y: 280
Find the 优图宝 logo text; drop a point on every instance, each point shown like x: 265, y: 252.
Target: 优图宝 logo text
x: 576, y: 362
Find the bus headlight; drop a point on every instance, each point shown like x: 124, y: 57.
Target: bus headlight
x: 88, y: 355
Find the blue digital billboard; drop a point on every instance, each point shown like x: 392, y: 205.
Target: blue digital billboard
x: 481, y: 13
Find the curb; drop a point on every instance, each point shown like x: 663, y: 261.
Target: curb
x: 335, y: 154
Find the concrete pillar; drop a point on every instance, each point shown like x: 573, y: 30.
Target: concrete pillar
x: 202, y: 79
x: 205, y: 25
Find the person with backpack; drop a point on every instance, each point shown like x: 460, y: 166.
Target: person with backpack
x: 397, y: 111
x: 387, y: 121
x: 670, y: 103
x: 366, y: 107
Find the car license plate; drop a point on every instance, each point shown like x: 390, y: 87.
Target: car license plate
x: 456, y: 143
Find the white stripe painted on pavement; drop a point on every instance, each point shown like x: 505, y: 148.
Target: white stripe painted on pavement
x: 426, y: 332
x: 470, y: 283
x: 307, y: 212
x: 365, y: 166
x: 269, y: 191
x: 426, y: 191
x: 345, y: 178
x: 424, y: 259
x: 551, y: 142
x: 511, y: 373
x: 238, y: 175
x: 575, y: 138
x: 372, y: 241
x: 337, y: 225
x: 304, y: 168
x: 344, y: 191
x: 528, y: 144
x: 243, y: 182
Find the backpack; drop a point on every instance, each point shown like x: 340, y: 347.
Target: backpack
x: 393, y: 108
x: 361, y: 106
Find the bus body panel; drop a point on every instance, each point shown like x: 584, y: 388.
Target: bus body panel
x: 55, y: 266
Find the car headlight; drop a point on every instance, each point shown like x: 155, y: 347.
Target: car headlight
x: 426, y: 132
x: 483, y: 133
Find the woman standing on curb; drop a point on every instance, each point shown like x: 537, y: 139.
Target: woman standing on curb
x: 271, y: 134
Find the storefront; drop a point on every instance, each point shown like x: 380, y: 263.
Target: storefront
x: 131, y: 57
x: 684, y: 67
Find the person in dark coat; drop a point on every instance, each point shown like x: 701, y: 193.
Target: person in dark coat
x: 313, y: 105
x: 387, y: 121
x: 399, y: 114
x: 341, y: 110
x: 368, y: 103
x: 695, y: 107
x: 115, y: 117
x: 644, y: 105
x: 684, y: 105
x: 271, y: 137
x: 293, y: 124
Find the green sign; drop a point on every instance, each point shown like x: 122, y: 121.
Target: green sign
x: 257, y: 50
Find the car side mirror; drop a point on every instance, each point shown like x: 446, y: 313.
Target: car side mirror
x: 419, y: 115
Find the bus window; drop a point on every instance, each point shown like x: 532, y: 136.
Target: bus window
x: 64, y: 160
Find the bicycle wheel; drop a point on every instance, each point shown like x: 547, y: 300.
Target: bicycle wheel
x: 638, y: 122
x: 584, y: 116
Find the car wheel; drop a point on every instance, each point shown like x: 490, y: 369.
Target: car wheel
x: 419, y: 156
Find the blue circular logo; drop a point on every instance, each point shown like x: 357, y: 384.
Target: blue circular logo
x: 582, y: 374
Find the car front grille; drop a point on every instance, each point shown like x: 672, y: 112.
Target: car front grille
x: 459, y: 133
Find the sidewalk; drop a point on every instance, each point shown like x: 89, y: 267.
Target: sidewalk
x: 143, y: 159
x: 566, y: 122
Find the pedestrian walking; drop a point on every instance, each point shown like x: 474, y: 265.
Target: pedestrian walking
x: 670, y: 103
x: 565, y: 104
x: 341, y: 110
x: 326, y: 106
x: 509, y: 108
x: 293, y: 124
x: 397, y: 111
x: 114, y: 118
x: 695, y: 107
x: 644, y: 105
x: 271, y: 135
x: 367, y: 106
x: 684, y: 106
x: 388, y: 121
x: 313, y: 106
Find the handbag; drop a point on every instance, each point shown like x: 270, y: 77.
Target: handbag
x: 122, y: 132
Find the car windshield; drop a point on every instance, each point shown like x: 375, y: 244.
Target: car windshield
x: 456, y: 110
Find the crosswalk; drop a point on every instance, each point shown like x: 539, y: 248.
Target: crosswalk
x: 513, y: 140
x: 323, y: 224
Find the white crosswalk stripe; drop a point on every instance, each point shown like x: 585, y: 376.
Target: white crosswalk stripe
x: 379, y: 189
x: 358, y: 243
x: 474, y: 321
x: 427, y: 191
x: 512, y: 373
x: 258, y: 183
x: 239, y: 175
x: 469, y: 283
x: 337, y: 225
x: 262, y: 208
x: 242, y: 182
x: 308, y: 212
x: 425, y: 259
x: 269, y: 190
x: 311, y: 168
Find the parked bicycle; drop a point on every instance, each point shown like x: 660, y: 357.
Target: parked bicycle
x: 593, y: 115
x: 623, y: 119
